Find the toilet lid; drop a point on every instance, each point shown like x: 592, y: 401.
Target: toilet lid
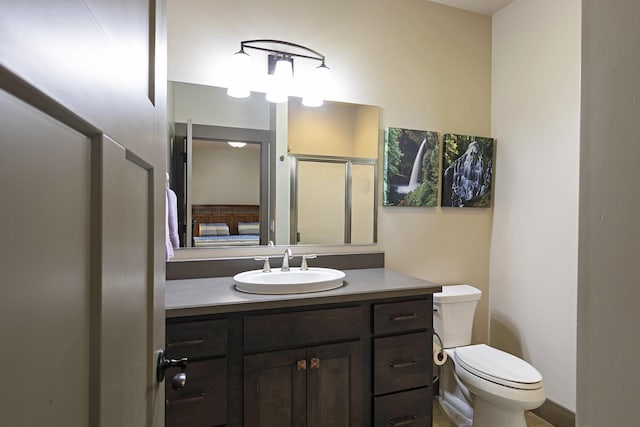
x: 498, y: 367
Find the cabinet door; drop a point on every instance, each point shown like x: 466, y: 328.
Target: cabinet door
x: 203, y: 400
x: 275, y: 389
x: 402, y: 362
x: 334, y: 385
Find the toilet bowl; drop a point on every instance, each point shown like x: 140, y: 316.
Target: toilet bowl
x: 480, y: 386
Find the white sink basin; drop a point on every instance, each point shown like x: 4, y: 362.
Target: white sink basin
x: 294, y: 281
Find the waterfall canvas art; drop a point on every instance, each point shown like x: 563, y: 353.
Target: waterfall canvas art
x: 467, y: 174
x: 411, y: 168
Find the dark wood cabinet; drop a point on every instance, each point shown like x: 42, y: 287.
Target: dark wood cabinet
x: 402, y: 364
x: 196, y: 339
x: 345, y: 364
x: 202, y: 402
x: 317, y: 386
x: 334, y: 385
x: 404, y: 409
x: 298, y: 328
x: 275, y: 386
x: 312, y: 385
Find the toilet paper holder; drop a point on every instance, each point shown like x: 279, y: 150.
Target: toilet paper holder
x: 439, y: 356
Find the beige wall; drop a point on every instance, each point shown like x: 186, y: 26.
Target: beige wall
x: 322, y: 131
x: 426, y: 65
x: 367, y: 123
x: 534, y: 242
x: 225, y: 175
x: 609, y: 288
x: 334, y: 129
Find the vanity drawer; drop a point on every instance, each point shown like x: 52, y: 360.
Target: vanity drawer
x: 197, y: 339
x: 402, y: 362
x: 402, y: 316
x: 203, y: 400
x: 409, y: 408
x: 270, y: 331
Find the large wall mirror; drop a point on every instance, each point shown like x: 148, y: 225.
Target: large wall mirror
x: 247, y: 172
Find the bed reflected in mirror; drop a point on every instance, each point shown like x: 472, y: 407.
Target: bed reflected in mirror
x: 225, y: 193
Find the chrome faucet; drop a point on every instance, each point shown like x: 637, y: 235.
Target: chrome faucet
x: 285, y: 259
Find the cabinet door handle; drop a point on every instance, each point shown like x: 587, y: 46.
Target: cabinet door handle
x: 185, y: 400
x: 301, y: 365
x: 315, y: 363
x: 190, y: 342
x: 402, y: 363
x: 403, y: 421
x: 400, y: 317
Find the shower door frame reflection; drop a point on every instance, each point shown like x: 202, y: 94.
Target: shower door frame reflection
x: 348, y: 163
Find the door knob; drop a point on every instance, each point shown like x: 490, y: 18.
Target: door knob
x: 180, y: 379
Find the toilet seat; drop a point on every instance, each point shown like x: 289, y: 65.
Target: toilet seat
x: 498, y: 367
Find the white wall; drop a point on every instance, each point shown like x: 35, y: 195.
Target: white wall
x: 426, y: 65
x: 534, y: 240
x: 609, y: 284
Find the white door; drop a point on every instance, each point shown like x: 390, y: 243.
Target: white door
x: 82, y: 159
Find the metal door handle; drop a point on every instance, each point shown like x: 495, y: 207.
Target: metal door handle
x: 180, y: 379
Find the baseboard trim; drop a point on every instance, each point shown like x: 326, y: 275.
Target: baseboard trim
x: 556, y: 414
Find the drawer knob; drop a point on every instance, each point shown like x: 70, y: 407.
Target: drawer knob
x: 403, y: 421
x: 315, y: 363
x: 402, y: 363
x: 400, y: 317
x: 301, y: 365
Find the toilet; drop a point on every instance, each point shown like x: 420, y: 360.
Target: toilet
x: 480, y: 386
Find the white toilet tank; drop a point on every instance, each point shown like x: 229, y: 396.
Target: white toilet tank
x: 454, y: 309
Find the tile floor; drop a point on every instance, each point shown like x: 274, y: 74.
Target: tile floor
x: 441, y: 420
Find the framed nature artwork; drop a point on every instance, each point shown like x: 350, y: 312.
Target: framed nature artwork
x: 411, y: 167
x: 467, y: 171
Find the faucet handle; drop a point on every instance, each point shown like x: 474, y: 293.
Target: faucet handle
x: 266, y: 267
x: 304, y: 266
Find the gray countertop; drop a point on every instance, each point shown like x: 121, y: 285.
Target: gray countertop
x: 191, y: 297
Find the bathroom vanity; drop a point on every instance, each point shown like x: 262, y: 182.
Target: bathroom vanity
x: 358, y: 355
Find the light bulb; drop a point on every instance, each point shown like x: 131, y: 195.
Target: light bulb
x: 235, y: 144
x: 281, y: 81
x: 239, y: 79
x: 316, y: 87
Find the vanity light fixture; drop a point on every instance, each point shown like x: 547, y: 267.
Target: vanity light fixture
x: 280, y: 75
x: 235, y: 144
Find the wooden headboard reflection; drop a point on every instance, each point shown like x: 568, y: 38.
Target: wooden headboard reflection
x: 227, y: 214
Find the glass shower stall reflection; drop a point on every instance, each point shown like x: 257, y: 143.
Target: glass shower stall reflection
x: 333, y: 200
